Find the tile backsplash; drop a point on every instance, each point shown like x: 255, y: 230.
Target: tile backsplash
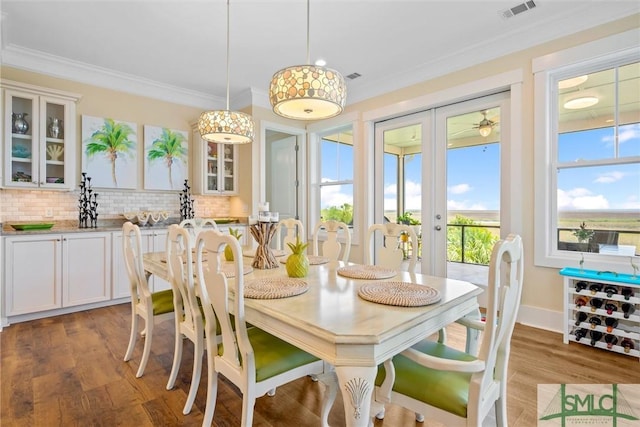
x: 32, y: 205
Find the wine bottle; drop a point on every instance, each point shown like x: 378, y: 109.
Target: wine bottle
x: 627, y: 293
x: 580, y: 333
x: 595, y: 337
x: 611, y: 323
x: 595, y: 303
x: 595, y: 321
x: 581, y: 301
x: 628, y: 309
x: 580, y: 317
x: 595, y: 287
x: 610, y: 306
x: 610, y: 290
x: 627, y: 343
x: 611, y: 340
x: 581, y: 286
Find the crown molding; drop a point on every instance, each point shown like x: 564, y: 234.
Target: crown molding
x: 55, y: 66
x: 250, y: 97
x: 490, y: 49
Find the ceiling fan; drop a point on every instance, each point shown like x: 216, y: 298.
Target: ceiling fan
x: 484, y: 127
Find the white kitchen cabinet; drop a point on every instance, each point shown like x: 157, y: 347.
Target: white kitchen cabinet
x: 153, y: 240
x: 86, y: 268
x: 216, y: 168
x: 51, y: 271
x: 40, y: 145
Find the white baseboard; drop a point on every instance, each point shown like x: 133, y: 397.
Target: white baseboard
x: 541, y: 318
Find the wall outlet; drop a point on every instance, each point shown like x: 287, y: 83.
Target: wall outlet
x: 48, y: 213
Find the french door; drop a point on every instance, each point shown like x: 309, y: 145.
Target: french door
x: 442, y: 167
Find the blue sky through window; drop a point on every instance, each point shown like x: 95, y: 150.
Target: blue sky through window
x: 473, y: 179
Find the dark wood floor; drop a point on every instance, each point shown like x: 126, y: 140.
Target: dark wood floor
x: 68, y: 371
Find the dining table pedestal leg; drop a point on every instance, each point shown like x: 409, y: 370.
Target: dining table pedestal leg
x: 357, y: 385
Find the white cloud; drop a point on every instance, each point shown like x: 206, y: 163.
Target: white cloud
x: 457, y: 205
x: 332, y: 195
x: 413, y: 195
x: 609, y: 177
x: 629, y: 132
x: 391, y: 189
x: 632, y: 202
x: 581, y: 198
x: 459, y: 188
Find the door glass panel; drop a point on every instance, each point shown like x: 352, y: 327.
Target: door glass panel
x: 403, y: 174
x: 473, y: 187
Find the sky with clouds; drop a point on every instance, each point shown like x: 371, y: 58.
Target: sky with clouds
x: 473, y: 175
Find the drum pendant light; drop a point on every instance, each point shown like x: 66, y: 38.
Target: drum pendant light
x: 224, y: 126
x: 307, y: 92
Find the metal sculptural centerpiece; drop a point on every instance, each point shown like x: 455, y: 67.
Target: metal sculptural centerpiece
x: 186, y: 202
x: 87, y: 204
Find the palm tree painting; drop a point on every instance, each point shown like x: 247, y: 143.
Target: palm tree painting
x: 109, y: 152
x: 166, y: 154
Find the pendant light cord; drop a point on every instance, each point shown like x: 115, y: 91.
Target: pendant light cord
x: 227, y: 55
x: 308, y: 38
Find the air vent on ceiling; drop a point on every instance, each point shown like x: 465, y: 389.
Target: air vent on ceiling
x: 516, y: 10
x: 353, y: 76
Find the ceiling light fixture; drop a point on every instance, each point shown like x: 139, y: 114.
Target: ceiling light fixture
x: 307, y: 92
x: 485, y: 126
x: 582, y: 102
x: 572, y: 82
x: 224, y: 126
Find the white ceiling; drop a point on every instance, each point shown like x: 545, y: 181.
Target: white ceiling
x: 175, y: 49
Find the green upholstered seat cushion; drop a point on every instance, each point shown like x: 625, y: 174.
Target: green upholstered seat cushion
x: 446, y: 390
x: 162, y: 302
x: 272, y: 355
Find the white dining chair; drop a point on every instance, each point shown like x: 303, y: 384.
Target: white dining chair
x: 331, y: 247
x: 294, y: 229
x: 454, y: 387
x: 253, y: 360
x: 150, y: 306
x: 188, y: 315
x: 196, y: 225
x: 387, y: 241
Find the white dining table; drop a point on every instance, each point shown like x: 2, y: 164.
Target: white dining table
x: 332, y: 322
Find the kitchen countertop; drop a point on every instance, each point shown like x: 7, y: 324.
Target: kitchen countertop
x: 115, y: 224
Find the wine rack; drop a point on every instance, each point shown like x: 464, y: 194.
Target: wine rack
x: 602, y: 310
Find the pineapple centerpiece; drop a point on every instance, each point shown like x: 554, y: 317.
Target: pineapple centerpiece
x: 298, y: 262
x: 228, y: 253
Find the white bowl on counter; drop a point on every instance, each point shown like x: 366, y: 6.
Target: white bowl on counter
x: 146, y: 217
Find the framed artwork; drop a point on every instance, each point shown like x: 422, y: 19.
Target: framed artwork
x: 166, y: 154
x: 110, y: 152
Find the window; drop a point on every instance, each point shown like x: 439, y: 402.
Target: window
x: 336, y: 176
x: 588, y: 193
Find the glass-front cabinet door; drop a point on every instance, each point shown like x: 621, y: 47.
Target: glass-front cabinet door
x: 216, y: 169
x: 39, y: 138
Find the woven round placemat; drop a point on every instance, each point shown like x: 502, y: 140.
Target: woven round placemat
x: 313, y: 260
x: 229, y: 270
x: 402, y: 294
x: 274, y: 287
x: 366, y: 272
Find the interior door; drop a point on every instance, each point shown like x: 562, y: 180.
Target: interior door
x: 282, y: 169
